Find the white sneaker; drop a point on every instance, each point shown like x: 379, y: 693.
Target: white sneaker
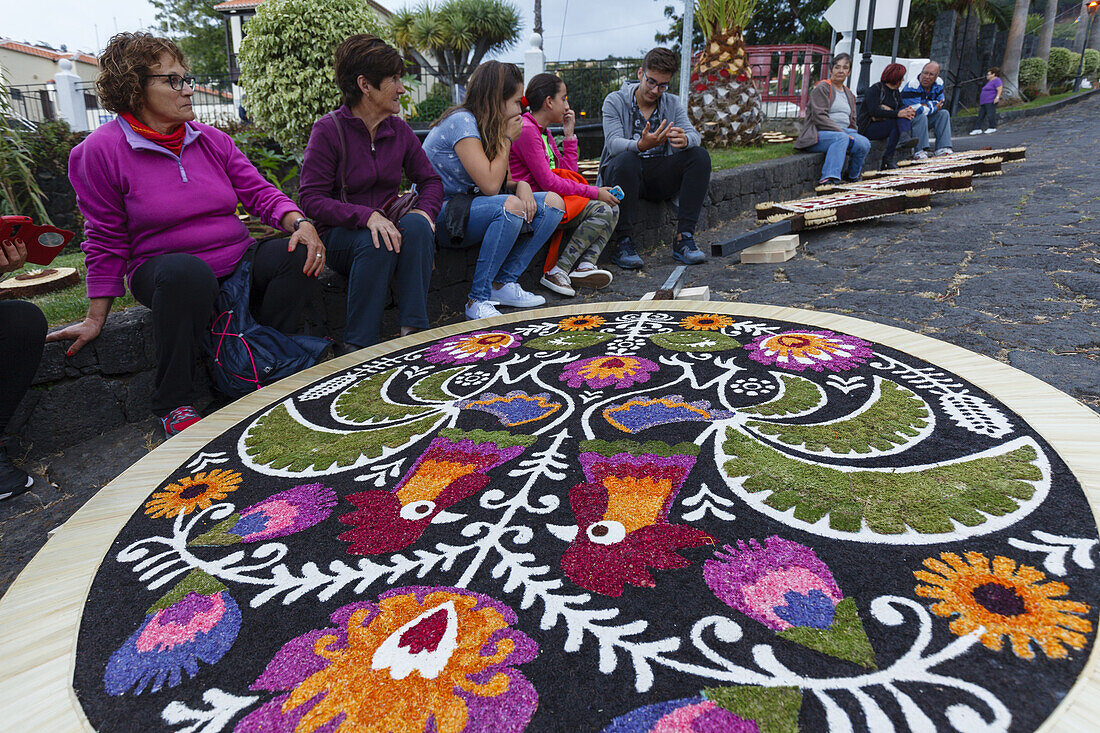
x: 991, y: 129
x: 512, y: 294
x: 943, y: 151
x: 976, y: 132
x: 481, y: 309
x: 920, y: 155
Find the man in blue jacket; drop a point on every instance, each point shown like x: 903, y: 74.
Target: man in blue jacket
x: 652, y: 152
x: 925, y: 96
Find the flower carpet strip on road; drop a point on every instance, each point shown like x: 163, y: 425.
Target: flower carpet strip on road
x: 625, y: 521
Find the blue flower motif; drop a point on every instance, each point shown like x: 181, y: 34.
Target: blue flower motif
x: 814, y: 609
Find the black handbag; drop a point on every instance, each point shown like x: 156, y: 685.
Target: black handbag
x: 396, y: 206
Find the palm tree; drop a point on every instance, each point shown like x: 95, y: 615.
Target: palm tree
x: 1045, y: 36
x: 455, y: 35
x: 724, y: 103
x: 1014, y: 48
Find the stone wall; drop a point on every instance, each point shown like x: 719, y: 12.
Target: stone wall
x: 109, y: 382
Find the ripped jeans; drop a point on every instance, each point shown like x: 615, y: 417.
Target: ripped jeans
x: 508, y: 243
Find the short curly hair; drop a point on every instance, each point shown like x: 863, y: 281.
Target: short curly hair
x: 123, y: 66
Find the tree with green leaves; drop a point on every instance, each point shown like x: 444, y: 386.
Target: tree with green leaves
x: 1014, y: 47
x: 452, y: 38
x: 198, y: 30
x: 286, y: 62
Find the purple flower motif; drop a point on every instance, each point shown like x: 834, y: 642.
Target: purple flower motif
x: 471, y: 347
x: 782, y: 584
x: 514, y: 408
x: 604, y: 371
x: 817, y: 350
x: 278, y: 515
x: 195, y: 621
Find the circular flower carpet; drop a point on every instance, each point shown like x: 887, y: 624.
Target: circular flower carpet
x: 614, y: 520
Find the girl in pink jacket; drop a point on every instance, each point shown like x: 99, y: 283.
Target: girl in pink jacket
x: 533, y: 158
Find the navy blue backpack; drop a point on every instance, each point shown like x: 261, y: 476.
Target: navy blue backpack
x: 247, y: 355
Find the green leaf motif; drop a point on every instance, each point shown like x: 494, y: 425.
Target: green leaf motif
x: 197, y: 581
x: 889, y: 501
x: 773, y: 709
x: 897, y: 414
x: 430, y: 388
x: 799, y: 395
x: 364, y: 403
x: 568, y: 340
x: 845, y: 639
x: 218, y: 535
x: 694, y: 341
x: 281, y: 442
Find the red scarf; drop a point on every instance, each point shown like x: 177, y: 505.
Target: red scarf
x: 173, y: 141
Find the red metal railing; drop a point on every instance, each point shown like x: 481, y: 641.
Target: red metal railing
x: 784, y: 74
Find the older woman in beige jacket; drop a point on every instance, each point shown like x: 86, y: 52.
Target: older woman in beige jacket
x: 830, y: 125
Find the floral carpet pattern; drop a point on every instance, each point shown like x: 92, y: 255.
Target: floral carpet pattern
x: 632, y: 521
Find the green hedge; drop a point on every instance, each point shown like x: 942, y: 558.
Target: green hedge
x: 1092, y: 62
x: 1031, y: 75
x: 1061, y: 65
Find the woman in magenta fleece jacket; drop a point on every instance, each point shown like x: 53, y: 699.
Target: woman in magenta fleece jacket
x: 159, y: 196
x: 532, y: 159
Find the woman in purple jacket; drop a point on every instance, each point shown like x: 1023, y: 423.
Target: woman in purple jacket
x: 352, y: 167
x: 159, y: 195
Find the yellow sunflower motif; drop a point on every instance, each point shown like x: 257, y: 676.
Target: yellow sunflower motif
x: 580, y: 323
x: 706, y: 322
x: 483, y: 344
x: 193, y: 492
x: 1004, y: 600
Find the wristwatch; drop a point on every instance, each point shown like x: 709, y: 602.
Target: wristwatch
x: 299, y: 220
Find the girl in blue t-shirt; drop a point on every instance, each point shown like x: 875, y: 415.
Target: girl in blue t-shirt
x: 469, y: 148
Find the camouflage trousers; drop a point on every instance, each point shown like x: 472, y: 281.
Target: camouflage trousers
x: 586, y: 234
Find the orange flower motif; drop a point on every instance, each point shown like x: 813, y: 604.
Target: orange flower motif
x: 193, y: 492
x: 580, y: 323
x: 706, y: 322
x: 1005, y: 600
x: 419, y: 654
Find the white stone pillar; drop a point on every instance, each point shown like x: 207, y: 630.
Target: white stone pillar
x: 534, y: 60
x: 70, y: 98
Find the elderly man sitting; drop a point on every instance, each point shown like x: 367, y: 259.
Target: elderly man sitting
x: 925, y: 96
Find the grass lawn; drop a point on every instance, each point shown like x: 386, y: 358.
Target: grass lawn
x: 70, y: 304
x: 721, y: 159
x: 1037, y: 102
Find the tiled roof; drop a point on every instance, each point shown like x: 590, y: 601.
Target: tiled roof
x: 47, y: 53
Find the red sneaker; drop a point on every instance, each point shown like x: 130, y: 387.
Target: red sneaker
x: 179, y: 419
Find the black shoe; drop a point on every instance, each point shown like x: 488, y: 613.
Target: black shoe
x: 852, y: 180
x: 889, y: 164
x: 625, y: 256
x: 13, y: 481
x: 684, y: 250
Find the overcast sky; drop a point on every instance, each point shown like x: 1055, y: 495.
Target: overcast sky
x: 573, y: 29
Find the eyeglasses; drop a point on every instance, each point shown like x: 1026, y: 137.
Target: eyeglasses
x: 654, y: 85
x: 174, y: 80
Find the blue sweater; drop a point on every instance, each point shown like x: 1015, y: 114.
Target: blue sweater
x: 914, y: 95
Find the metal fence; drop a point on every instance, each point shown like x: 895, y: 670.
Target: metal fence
x: 33, y: 102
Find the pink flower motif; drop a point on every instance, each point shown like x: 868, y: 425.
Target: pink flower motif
x: 471, y: 347
x: 817, y: 350
x: 604, y: 371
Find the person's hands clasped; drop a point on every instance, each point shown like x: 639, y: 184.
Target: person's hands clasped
x: 607, y: 197
x: 431, y: 222
x: 656, y: 137
x: 907, y: 113
x: 384, y: 232
x: 677, y: 137
x: 527, y: 196
x: 13, y: 255
x: 315, y: 249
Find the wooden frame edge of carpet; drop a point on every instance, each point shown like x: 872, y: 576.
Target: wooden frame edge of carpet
x: 40, y: 613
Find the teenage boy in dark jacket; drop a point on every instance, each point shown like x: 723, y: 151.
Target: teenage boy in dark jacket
x: 651, y: 151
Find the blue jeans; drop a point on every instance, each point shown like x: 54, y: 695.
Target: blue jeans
x: 835, y: 145
x: 369, y: 270
x: 508, y: 243
x: 941, y: 123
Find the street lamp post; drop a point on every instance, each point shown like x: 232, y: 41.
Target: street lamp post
x: 1092, y: 6
x: 865, y: 65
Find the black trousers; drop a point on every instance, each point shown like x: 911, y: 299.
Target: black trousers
x: 22, y: 336
x: 987, y: 116
x: 685, y: 173
x: 182, y: 290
